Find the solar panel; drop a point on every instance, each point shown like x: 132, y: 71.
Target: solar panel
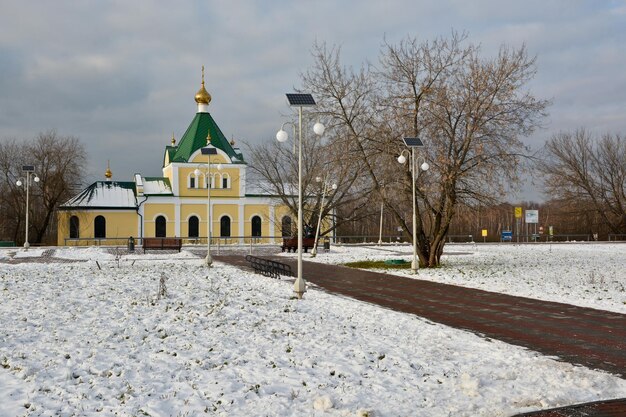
x: 28, y: 168
x: 300, y: 100
x: 209, y: 150
x: 413, y: 142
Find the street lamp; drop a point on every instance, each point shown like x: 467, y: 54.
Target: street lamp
x: 414, y: 143
x: 30, y: 171
x: 208, y: 150
x: 325, y: 188
x: 300, y: 101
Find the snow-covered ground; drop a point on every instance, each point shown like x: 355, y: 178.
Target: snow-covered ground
x: 584, y: 274
x: 81, y: 340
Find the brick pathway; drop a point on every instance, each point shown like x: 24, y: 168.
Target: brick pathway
x: 584, y: 336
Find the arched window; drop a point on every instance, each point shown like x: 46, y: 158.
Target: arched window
x: 286, y: 226
x: 193, y: 227
x: 256, y: 226
x: 225, y: 226
x: 100, y: 227
x: 160, y: 229
x: 74, y: 229
x: 225, y: 181
x: 192, y: 181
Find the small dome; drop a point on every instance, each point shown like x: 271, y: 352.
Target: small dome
x: 203, y: 96
x: 108, y: 174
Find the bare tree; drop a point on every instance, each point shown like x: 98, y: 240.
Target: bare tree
x: 59, y: 162
x: 470, y: 111
x: 589, y: 173
x: 275, y: 169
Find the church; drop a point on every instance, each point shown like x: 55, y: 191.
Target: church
x: 203, y: 166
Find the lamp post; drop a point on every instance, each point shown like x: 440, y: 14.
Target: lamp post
x: 30, y: 171
x: 413, y: 143
x: 208, y: 150
x: 380, y: 227
x: 300, y: 101
x: 325, y: 188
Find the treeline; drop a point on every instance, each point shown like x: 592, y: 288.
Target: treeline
x: 584, y: 174
x: 58, y: 162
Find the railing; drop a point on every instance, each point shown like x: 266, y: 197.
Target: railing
x: 218, y: 242
x: 268, y: 267
x: 369, y: 239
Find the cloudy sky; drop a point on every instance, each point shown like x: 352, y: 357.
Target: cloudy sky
x: 121, y: 75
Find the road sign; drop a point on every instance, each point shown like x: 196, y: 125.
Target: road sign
x: 532, y: 216
x: 484, y: 231
x: 518, y: 212
x: 507, y: 235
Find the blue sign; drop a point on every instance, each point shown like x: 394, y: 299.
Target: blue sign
x: 507, y: 235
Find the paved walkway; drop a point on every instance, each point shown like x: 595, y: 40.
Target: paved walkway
x: 584, y: 336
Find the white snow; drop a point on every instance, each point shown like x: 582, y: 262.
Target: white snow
x: 76, y: 340
x: 156, y: 186
x: 105, y: 194
x: 584, y: 274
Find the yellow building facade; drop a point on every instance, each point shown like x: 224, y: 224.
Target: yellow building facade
x: 203, y: 162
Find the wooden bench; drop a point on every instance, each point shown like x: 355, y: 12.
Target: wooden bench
x: 268, y: 267
x: 162, y: 243
x: 291, y: 244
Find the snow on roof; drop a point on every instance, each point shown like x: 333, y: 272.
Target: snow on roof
x: 105, y: 194
x: 156, y: 186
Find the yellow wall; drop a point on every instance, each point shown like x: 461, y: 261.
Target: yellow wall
x: 200, y: 190
x: 119, y: 224
x: 261, y: 210
x: 151, y: 211
x: 280, y: 212
x: 186, y: 211
x: 232, y: 211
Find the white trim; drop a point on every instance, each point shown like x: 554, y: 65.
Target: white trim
x: 242, y: 180
x: 175, y: 188
x: 199, y: 152
x: 242, y: 225
x: 196, y: 181
x: 220, y: 223
x: 157, y: 215
x: 176, y: 219
x: 193, y: 215
x: 254, y: 215
x: 272, y: 222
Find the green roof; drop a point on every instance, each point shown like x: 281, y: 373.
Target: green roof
x: 171, y: 151
x: 195, y: 138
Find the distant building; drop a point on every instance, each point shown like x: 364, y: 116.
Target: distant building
x: 175, y: 205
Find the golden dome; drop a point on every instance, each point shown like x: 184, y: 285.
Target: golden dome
x: 108, y: 174
x: 173, y: 140
x: 203, y: 96
x: 232, y: 141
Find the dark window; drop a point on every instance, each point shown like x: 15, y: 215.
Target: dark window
x: 286, y: 226
x: 100, y: 227
x: 160, y: 229
x: 193, y: 227
x: 192, y: 182
x: 74, y: 229
x: 225, y: 182
x: 225, y: 226
x: 256, y: 226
